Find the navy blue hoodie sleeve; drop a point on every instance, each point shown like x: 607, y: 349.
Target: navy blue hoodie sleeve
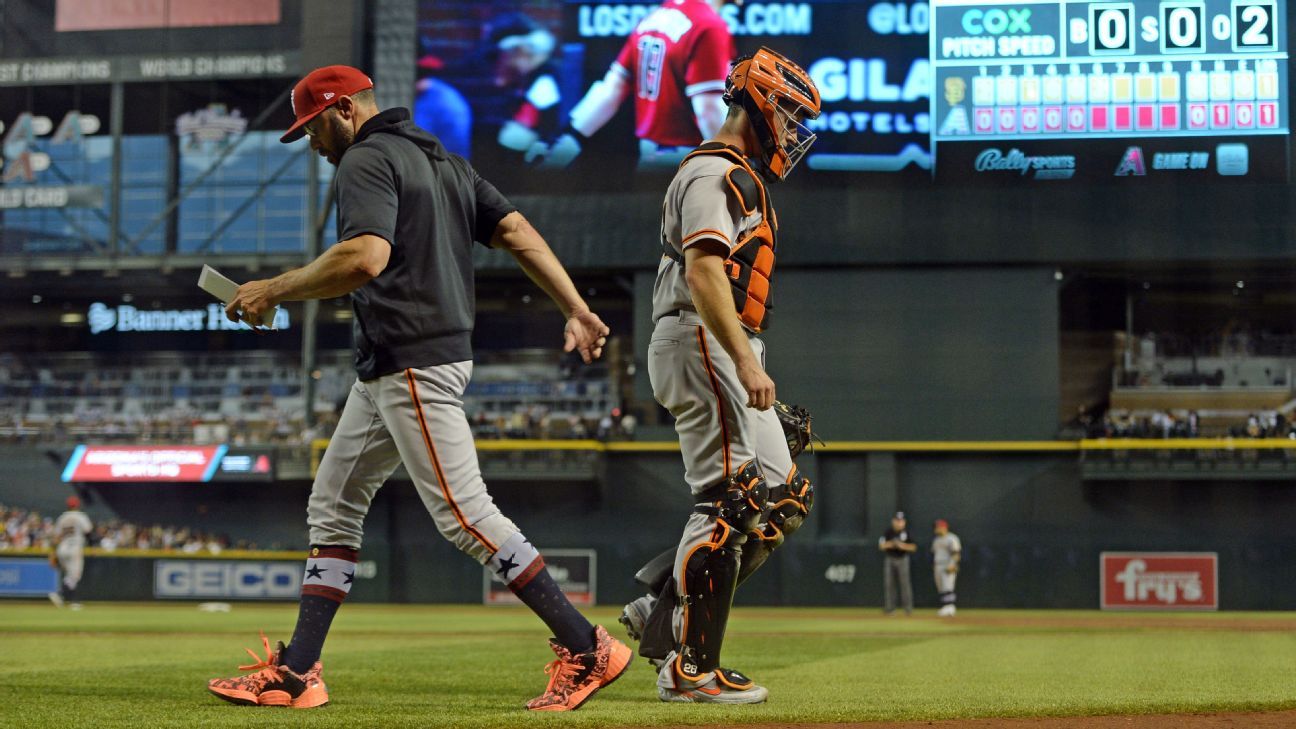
x: 492, y: 206
x: 366, y: 195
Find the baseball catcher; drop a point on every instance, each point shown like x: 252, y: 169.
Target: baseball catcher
x: 706, y: 362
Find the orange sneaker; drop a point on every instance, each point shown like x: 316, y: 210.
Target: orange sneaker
x: 272, y: 684
x: 574, y: 678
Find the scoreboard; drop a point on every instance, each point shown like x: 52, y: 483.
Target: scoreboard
x: 1140, y: 89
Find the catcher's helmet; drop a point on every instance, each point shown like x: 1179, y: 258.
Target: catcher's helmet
x: 776, y: 94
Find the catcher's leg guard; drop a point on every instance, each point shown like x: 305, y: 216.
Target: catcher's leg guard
x: 710, y: 570
x: 789, y: 504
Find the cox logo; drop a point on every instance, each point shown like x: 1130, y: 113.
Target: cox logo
x: 997, y: 21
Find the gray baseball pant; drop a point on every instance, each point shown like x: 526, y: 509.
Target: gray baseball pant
x: 696, y: 380
x: 414, y: 417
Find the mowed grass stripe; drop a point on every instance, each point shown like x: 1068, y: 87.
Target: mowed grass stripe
x: 145, y: 665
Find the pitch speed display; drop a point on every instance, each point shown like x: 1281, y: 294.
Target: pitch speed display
x: 1162, y: 89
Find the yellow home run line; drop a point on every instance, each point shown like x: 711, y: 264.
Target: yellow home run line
x: 922, y: 446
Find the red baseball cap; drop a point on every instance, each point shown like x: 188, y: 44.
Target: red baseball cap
x: 942, y: 523
x: 73, y: 502
x: 319, y: 90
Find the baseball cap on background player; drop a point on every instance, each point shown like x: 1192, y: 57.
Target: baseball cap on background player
x: 73, y: 503
x: 776, y: 93
x: 899, y: 516
x: 319, y: 90
x: 941, y: 524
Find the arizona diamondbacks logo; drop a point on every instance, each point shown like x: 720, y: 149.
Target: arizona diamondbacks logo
x: 1131, y: 163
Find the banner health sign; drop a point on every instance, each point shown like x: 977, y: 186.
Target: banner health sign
x: 230, y: 580
x: 125, y: 318
x: 1160, y: 581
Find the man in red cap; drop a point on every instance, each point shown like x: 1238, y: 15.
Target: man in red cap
x: 408, y: 213
x: 71, y: 526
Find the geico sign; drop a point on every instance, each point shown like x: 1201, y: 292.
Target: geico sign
x: 235, y: 580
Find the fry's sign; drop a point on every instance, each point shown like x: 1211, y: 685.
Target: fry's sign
x: 1160, y: 581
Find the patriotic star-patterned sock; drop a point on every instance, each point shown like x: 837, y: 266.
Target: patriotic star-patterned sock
x: 329, y: 574
x: 521, y: 567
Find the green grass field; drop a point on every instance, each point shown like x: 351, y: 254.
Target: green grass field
x: 145, y: 666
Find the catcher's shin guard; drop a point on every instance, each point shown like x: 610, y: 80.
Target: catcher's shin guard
x: 710, y: 571
x: 788, y: 505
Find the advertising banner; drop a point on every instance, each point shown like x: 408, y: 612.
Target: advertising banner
x: 230, y: 580
x: 27, y: 578
x: 102, y: 464
x: 1160, y: 581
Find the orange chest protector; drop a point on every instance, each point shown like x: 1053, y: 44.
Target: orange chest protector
x: 750, y: 263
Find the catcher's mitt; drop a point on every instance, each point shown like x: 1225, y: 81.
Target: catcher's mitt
x: 796, y: 427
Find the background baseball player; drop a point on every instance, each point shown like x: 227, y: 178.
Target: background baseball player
x: 897, y: 544
x: 946, y: 551
x: 675, y: 63
x: 706, y: 365
x: 408, y: 213
x: 72, y: 527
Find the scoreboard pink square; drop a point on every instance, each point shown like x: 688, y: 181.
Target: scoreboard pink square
x: 1244, y: 115
x: 1006, y: 119
x: 1099, y: 118
x: 1198, y: 117
x: 1221, y: 116
x: 1053, y: 119
x: 983, y: 120
x: 1145, y: 117
x: 1122, y: 117
x: 1169, y: 116
x: 1076, y: 118
x: 1030, y: 119
x: 1267, y: 115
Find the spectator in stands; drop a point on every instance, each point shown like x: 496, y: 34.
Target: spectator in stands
x: 605, y: 425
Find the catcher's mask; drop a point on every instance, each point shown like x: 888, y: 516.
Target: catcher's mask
x: 777, y: 95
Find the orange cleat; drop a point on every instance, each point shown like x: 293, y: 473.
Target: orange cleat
x: 574, y: 678
x: 272, y: 684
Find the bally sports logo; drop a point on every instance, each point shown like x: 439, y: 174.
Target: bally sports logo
x: 1052, y: 167
x: 1160, y: 581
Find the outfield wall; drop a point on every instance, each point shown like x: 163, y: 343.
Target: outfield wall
x: 1031, y: 525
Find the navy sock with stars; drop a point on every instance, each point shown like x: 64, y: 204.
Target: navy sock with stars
x: 520, y: 566
x: 330, y: 572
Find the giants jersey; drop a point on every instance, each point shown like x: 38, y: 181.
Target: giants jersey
x: 679, y: 50
x: 699, y: 206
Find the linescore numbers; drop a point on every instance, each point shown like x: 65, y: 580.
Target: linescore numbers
x: 1181, y: 26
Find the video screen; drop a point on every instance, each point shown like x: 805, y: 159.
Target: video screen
x: 566, y: 95
x: 600, y: 95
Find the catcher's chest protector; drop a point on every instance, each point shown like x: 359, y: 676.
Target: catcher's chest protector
x: 750, y: 264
